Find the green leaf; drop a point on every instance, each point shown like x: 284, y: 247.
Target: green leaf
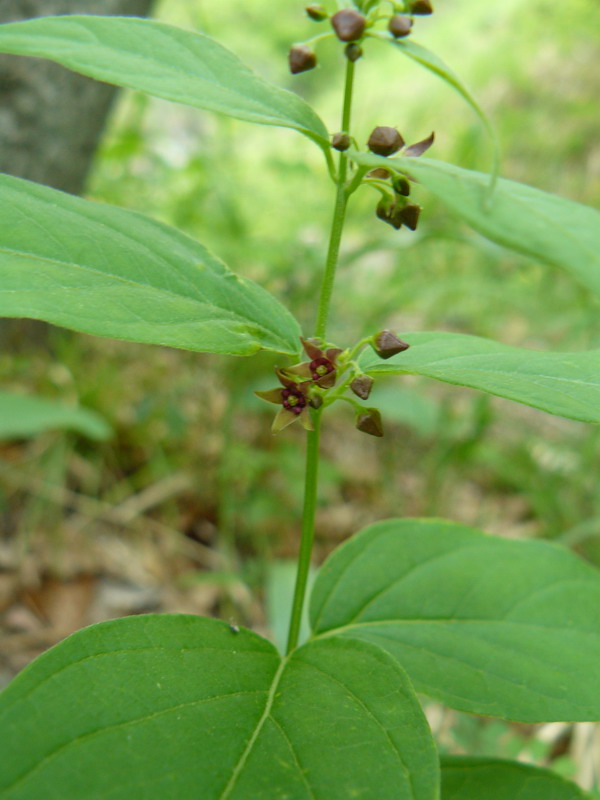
x: 434, y: 63
x: 545, y: 227
x: 467, y: 778
x: 565, y: 384
x: 170, y: 707
x: 24, y: 415
x: 487, y: 625
x: 163, y: 61
x: 109, y: 272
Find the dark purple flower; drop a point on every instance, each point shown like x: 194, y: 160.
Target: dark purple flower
x: 294, y: 402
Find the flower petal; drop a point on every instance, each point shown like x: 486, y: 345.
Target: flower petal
x: 270, y: 395
x: 306, y: 420
x: 327, y: 381
x: 311, y: 349
x: 283, y: 418
x: 332, y: 353
x: 301, y: 370
x: 418, y: 148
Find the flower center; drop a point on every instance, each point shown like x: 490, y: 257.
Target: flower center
x: 293, y: 400
x: 320, y: 367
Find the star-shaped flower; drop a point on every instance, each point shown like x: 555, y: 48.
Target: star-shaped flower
x: 321, y: 369
x: 293, y: 399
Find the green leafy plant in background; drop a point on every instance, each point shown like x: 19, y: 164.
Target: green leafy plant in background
x: 181, y: 706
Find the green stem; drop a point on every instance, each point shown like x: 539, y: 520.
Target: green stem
x: 308, y: 531
x: 312, y: 438
x: 339, y: 215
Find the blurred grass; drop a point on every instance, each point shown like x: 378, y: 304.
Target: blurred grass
x: 260, y: 198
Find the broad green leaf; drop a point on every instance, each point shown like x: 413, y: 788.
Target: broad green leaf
x: 565, y: 384
x: 434, y: 63
x: 468, y: 778
x: 163, y: 61
x: 543, y: 226
x: 487, y: 625
x: 24, y: 415
x: 109, y: 272
x: 170, y: 707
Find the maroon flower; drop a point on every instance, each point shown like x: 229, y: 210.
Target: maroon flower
x: 321, y: 369
x: 293, y: 399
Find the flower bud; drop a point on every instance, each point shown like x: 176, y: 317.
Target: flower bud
x: 386, y: 344
x: 421, y: 7
x: 369, y: 421
x: 385, y: 141
x: 384, y: 210
x: 401, y: 185
x: 409, y: 215
x: 361, y: 386
x: 348, y: 25
x: 301, y: 58
x: 340, y: 141
x: 353, y: 51
x: 400, y: 26
x: 318, y: 13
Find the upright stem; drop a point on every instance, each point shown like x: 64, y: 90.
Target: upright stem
x: 308, y: 531
x: 339, y: 215
x: 312, y: 439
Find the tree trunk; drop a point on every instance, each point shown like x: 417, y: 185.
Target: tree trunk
x: 51, y: 119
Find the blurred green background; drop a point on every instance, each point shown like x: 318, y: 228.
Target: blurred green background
x: 191, y: 494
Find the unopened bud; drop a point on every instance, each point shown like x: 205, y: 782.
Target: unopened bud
x: 369, y: 421
x: 348, y: 25
x: 400, y: 26
x: 361, y: 386
x: 318, y: 13
x: 409, y: 215
x: 316, y: 401
x: 340, y: 141
x: 401, y: 185
x: 301, y: 59
x: 384, y: 211
x: 353, y: 51
x: 385, y: 141
x: 386, y: 344
x: 421, y: 7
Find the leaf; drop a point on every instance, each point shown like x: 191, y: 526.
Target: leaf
x: 109, y: 272
x: 25, y: 415
x: 565, y: 384
x: 163, y: 61
x: 487, y: 625
x: 172, y: 706
x: 545, y: 227
x: 467, y: 778
x: 434, y: 63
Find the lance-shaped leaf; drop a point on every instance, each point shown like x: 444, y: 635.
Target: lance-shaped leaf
x: 109, y: 272
x: 487, y: 625
x: 543, y: 226
x: 434, y: 63
x: 24, y: 415
x: 565, y: 384
x: 164, y: 61
x: 469, y: 778
x: 170, y: 707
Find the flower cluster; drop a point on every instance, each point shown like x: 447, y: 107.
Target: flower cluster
x: 297, y: 395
